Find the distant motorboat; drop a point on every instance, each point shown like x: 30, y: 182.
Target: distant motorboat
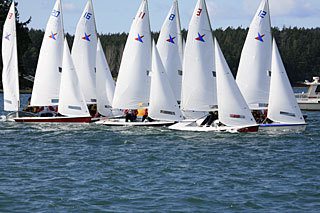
x: 311, y: 99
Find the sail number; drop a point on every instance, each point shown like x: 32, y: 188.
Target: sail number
x: 171, y: 17
x: 10, y: 15
x: 142, y: 14
x: 199, y: 11
x: 262, y: 14
x: 87, y: 15
x: 55, y: 13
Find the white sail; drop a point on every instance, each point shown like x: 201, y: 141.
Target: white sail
x: 163, y: 103
x: 71, y: 99
x: 133, y: 84
x: 10, y: 75
x: 84, y: 53
x: 233, y: 109
x: 198, y: 80
x: 283, y: 106
x: 254, y: 73
x: 48, y: 74
x: 105, y: 83
x: 170, y: 49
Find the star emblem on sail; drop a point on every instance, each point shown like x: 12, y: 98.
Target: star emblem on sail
x: 201, y: 37
x: 171, y: 39
x: 53, y: 36
x: 139, y: 38
x: 260, y: 37
x: 7, y: 37
x: 86, y: 37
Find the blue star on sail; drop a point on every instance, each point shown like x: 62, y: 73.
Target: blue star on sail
x: 53, y: 36
x: 86, y: 37
x: 260, y: 37
x: 171, y: 39
x: 7, y: 37
x: 139, y: 38
x: 200, y: 37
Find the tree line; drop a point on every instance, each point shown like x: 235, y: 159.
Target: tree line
x: 299, y: 47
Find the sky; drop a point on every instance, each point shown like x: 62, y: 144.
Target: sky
x: 116, y: 16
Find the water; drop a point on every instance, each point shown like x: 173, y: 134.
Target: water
x: 90, y: 168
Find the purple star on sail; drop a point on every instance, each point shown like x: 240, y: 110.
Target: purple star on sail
x: 171, y: 39
x: 86, y: 37
x: 260, y: 37
x: 200, y: 37
x: 7, y: 37
x: 53, y: 36
x: 139, y: 38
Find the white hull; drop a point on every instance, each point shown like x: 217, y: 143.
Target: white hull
x: 283, y: 127
x: 310, y: 105
x: 122, y: 122
x: 192, y: 126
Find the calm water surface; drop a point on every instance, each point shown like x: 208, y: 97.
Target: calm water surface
x: 91, y: 168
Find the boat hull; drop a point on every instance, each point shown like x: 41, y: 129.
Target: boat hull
x: 309, y: 106
x: 192, y: 126
x: 53, y: 119
x: 122, y: 122
x: 283, y: 127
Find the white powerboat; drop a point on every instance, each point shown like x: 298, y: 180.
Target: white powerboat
x: 311, y: 99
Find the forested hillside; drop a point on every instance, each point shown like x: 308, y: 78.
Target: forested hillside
x: 300, y: 48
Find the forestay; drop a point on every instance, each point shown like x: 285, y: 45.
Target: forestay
x: 71, y: 100
x: 163, y: 103
x: 199, y: 75
x: 84, y: 53
x: 133, y: 84
x: 254, y: 73
x: 233, y: 109
x: 283, y: 106
x: 170, y: 49
x: 48, y: 74
x: 10, y: 75
x: 105, y: 83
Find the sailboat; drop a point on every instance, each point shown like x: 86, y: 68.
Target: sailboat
x: 10, y: 75
x: 170, y: 49
x: 234, y: 114
x: 72, y: 105
x: 105, y: 85
x: 49, y: 85
x: 133, y: 85
x: 84, y: 53
x: 254, y: 72
x: 283, y: 110
x: 199, y: 93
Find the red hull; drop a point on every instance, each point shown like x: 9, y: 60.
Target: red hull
x: 249, y: 129
x: 53, y: 120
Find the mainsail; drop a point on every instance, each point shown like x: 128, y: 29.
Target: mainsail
x: 170, y: 49
x: 254, y: 72
x: 10, y: 75
x: 84, y: 53
x: 199, y: 75
x: 48, y: 74
x: 133, y: 84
